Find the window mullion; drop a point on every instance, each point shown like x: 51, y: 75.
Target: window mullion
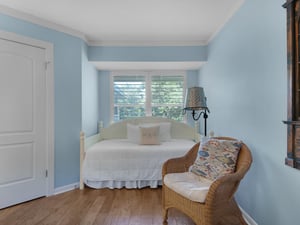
x: 148, y: 95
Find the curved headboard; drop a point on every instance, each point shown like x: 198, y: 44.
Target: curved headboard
x: 118, y: 130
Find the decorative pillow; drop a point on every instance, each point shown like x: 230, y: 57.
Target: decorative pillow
x: 149, y: 135
x: 216, y: 158
x: 164, y: 130
x: 133, y: 133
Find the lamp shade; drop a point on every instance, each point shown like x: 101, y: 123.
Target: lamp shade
x: 195, y: 99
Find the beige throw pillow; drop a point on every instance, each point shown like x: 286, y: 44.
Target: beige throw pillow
x: 149, y: 135
x: 164, y: 130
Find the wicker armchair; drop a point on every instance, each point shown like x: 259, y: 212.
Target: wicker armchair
x: 220, y: 206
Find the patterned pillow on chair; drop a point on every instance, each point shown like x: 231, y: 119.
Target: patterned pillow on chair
x: 216, y: 158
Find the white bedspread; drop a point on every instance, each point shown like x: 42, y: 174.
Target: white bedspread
x: 120, y: 163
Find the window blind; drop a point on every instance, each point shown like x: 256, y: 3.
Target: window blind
x: 129, y: 97
x: 148, y: 94
x: 167, y: 96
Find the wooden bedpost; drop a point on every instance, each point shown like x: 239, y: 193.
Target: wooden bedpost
x: 82, y: 152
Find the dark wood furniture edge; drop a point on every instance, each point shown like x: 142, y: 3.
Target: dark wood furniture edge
x: 291, y: 122
x: 288, y: 2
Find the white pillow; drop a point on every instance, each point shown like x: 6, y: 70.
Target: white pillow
x: 133, y: 133
x: 164, y: 129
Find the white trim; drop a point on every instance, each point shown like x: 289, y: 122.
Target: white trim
x: 221, y: 26
x: 45, y: 23
x: 49, y: 98
x: 146, y: 43
x: 247, y: 217
x: 148, y: 103
x: 148, y: 65
x: 66, y: 188
x: 39, y: 21
x: 50, y: 116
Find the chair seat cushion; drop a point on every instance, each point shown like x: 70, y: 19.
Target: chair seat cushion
x: 189, y: 185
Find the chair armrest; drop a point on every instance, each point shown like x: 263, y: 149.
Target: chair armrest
x: 223, y: 189
x: 181, y: 164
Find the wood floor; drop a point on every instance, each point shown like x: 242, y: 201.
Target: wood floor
x: 94, y: 207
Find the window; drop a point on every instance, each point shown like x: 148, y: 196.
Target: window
x: 155, y: 93
x: 129, y: 96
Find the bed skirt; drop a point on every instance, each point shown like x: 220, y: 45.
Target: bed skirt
x: 111, y: 184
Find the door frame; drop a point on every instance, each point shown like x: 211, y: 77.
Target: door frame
x: 49, y: 100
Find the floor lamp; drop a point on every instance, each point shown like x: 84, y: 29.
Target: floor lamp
x: 195, y: 100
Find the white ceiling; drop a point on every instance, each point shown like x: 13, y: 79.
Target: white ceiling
x: 131, y: 22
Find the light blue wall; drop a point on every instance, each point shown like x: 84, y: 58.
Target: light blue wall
x: 81, y: 92
x: 90, y: 100
x: 104, y: 97
x: 154, y: 53
x: 142, y: 54
x: 67, y: 78
x: 245, y: 81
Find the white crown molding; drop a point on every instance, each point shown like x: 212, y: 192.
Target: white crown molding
x: 117, y: 65
x: 42, y: 22
x: 45, y: 23
x: 230, y: 14
x: 146, y: 43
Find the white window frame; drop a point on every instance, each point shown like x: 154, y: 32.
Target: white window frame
x: 148, y: 75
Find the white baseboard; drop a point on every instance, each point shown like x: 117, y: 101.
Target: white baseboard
x: 66, y: 188
x: 248, y: 218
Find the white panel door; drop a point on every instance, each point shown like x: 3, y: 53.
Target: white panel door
x: 22, y: 123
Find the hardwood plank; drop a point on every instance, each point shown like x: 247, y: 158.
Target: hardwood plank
x: 135, y: 209
x: 157, y: 209
x: 94, y: 207
x: 60, y: 207
x: 92, y: 212
x: 102, y: 217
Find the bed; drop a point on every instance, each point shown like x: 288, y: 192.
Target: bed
x: 117, y: 157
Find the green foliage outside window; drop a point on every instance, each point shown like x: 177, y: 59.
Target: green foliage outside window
x: 166, y: 94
